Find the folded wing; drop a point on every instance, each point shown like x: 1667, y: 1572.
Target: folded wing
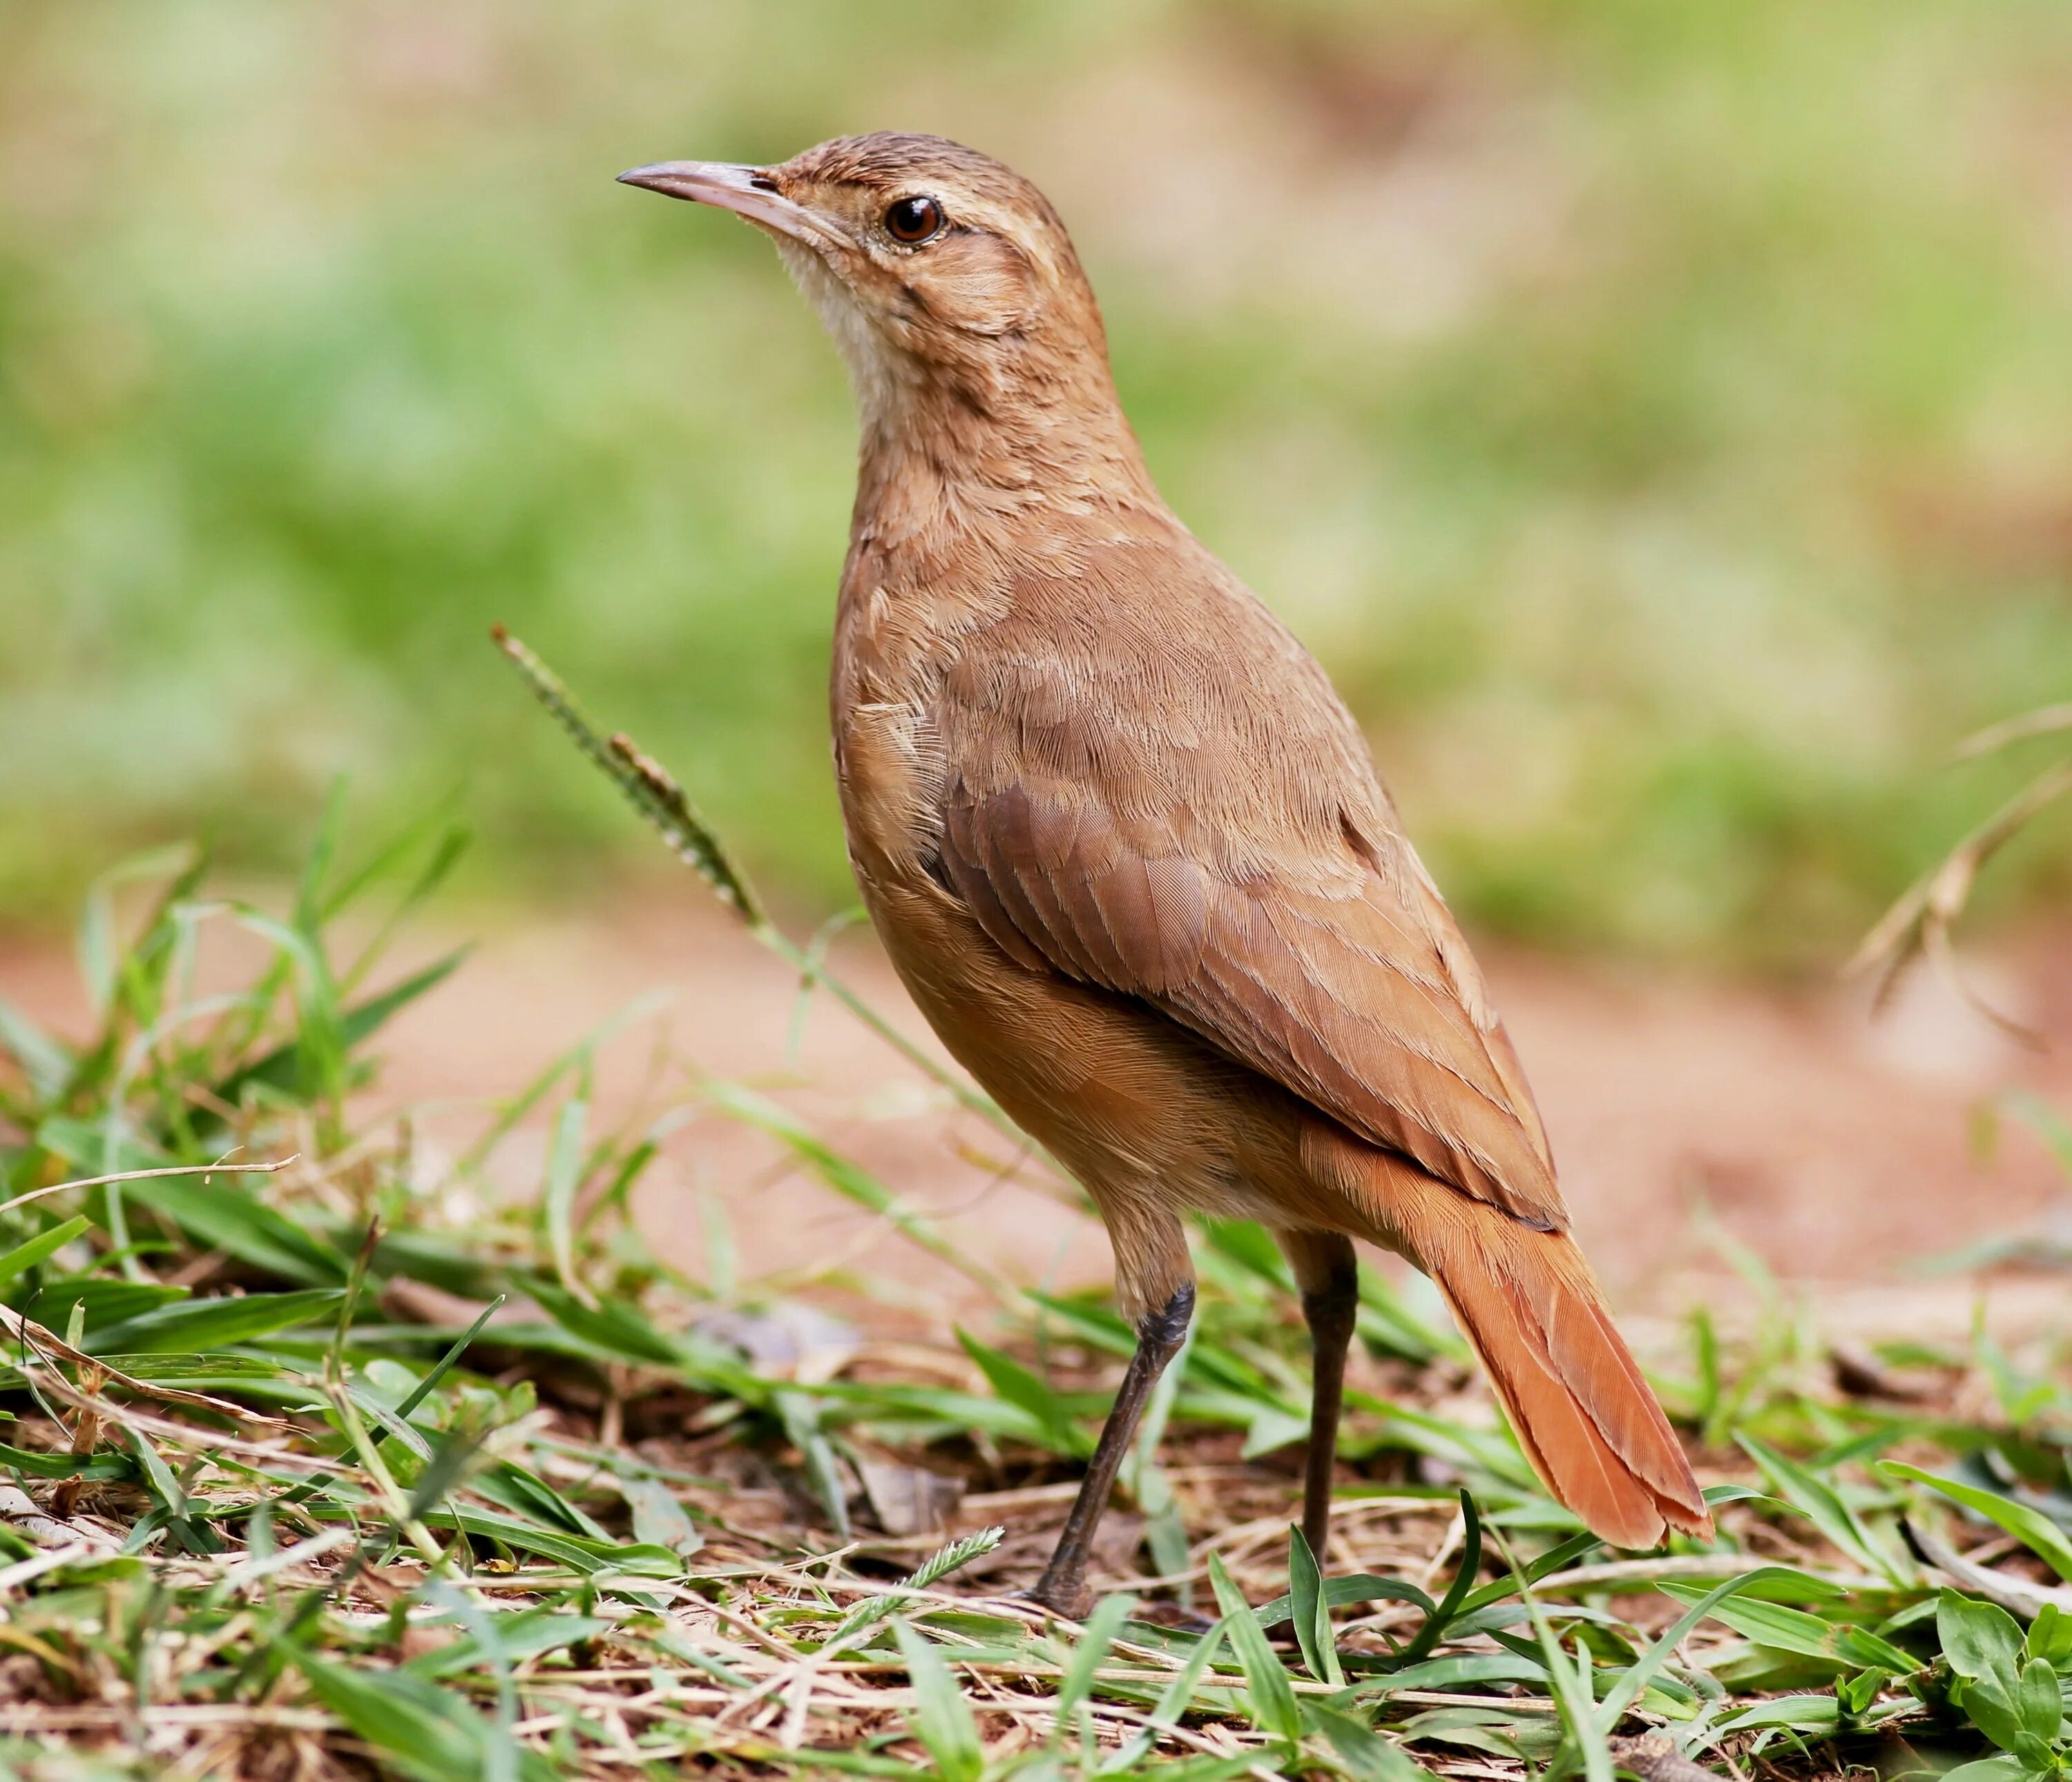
x: 1260, y: 895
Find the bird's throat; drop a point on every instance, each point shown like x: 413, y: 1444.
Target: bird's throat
x: 1007, y: 423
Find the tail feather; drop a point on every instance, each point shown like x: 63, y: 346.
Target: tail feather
x: 1587, y: 1420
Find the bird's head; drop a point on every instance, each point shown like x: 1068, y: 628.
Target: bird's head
x: 936, y: 268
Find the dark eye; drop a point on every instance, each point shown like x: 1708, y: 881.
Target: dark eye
x: 913, y: 221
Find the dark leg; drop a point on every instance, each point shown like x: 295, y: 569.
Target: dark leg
x: 1328, y: 1272
x: 1063, y: 1584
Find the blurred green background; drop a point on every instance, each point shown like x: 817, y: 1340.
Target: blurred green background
x: 1657, y: 416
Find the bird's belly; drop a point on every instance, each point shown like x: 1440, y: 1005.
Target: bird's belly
x: 1132, y: 1104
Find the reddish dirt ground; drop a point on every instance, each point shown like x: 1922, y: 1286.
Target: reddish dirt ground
x: 1837, y: 1148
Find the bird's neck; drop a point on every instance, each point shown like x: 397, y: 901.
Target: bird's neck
x: 990, y: 426
x: 936, y: 452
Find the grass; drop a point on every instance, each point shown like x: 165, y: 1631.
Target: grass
x: 331, y: 1458
x: 1654, y: 418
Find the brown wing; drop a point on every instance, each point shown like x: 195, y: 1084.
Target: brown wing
x: 1186, y: 815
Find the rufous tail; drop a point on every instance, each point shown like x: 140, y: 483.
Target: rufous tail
x: 1587, y: 1420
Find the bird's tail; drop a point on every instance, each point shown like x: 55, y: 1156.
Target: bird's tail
x: 1587, y: 1420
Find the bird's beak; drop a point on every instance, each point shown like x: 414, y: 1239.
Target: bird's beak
x: 750, y: 192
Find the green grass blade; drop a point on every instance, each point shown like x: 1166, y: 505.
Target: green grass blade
x: 1788, y: 1629
x: 851, y: 1180
x: 800, y: 1413
x: 1019, y: 1386
x: 1367, y: 1755
x: 45, y: 1062
x: 1266, y: 1682
x: 1358, y: 1587
x: 502, y: 1758
x: 1310, y: 1613
x: 944, y: 1721
x: 428, y: 1733
x: 2035, y: 1530
x: 1813, y: 1715
x: 1570, y: 1682
x: 1632, y: 1683
x: 1822, y: 1505
x: 1102, y: 1627
x: 1178, y: 1697
x: 452, y: 843
x: 195, y: 1325
x: 1456, y: 1597
x: 279, y: 1069
x: 41, y: 1248
x: 224, y: 1217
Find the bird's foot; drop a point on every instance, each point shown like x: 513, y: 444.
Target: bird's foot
x: 1068, y: 1597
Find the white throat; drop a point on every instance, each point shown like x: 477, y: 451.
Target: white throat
x: 878, y: 373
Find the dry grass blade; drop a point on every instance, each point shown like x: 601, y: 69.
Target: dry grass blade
x: 148, y: 1176
x: 31, y: 1340
x: 1919, y: 925
x: 2045, y: 721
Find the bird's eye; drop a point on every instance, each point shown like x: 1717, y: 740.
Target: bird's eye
x: 913, y: 220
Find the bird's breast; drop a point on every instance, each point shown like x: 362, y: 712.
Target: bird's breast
x: 889, y: 761
x: 896, y: 635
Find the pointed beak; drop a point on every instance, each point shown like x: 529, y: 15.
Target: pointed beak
x: 750, y: 192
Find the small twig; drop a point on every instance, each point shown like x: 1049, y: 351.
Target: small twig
x: 1862, y: 1375
x: 209, y: 1442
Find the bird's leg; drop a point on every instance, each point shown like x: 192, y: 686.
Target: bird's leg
x: 1328, y: 1274
x: 1062, y: 1585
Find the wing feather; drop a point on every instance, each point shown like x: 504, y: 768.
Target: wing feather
x: 1189, y: 817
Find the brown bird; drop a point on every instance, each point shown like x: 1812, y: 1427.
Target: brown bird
x: 1128, y: 849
